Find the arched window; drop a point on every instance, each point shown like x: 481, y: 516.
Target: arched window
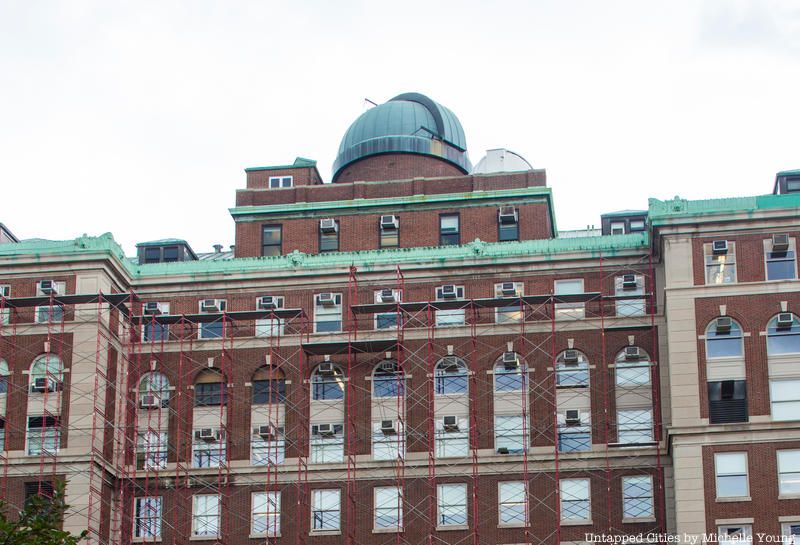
x: 724, y: 339
x: 451, y: 376
x: 783, y: 335
x: 632, y: 366
x: 46, y: 374
x: 209, y: 388
x: 327, y: 382
x: 3, y: 376
x: 387, y: 380
x: 269, y: 386
x: 572, y: 369
x: 510, y: 374
x: 154, y: 390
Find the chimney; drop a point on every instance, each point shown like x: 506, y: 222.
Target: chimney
x: 233, y: 247
x: 217, y: 248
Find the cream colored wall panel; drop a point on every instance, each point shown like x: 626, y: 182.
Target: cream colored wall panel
x: 725, y: 369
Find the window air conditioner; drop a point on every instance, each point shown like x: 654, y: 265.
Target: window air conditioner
x: 510, y: 361
x: 212, y: 305
x: 266, y: 432
x: 267, y: 302
x: 44, y: 384
x: 206, y: 434
x: 328, y: 226
x: 780, y: 242
x: 508, y: 289
x: 507, y: 215
x: 151, y: 308
x: 388, y: 427
x: 570, y: 357
x: 450, y: 364
x: 325, y: 430
x: 632, y: 353
x: 325, y: 368
x: 389, y: 223
x: 785, y: 320
x: 48, y: 287
x: 629, y: 282
x: 449, y: 291
x: 572, y: 417
x: 724, y: 325
x: 719, y: 247
x: 450, y: 423
x: 387, y: 296
x: 326, y: 299
x: 502, y: 450
x: 149, y: 401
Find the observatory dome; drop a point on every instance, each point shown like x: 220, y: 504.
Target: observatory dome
x: 501, y: 160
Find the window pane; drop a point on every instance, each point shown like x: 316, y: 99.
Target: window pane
x: 449, y: 230
x: 781, y: 266
x: 509, y: 232
x: 789, y: 471
x: 637, y: 497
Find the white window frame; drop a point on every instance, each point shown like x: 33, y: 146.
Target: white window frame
x: 789, y: 406
x: 317, y: 496
x: 267, y: 509
x: 147, y: 322
x: 45, y: 314
x: 461, y: 490
x: 398, y: 295
x: 740, y: 472
x: 569, y: 311
x: 617, y: 226
x: 327, y: 450
x: 454, y: 317
x: 47, y: 438
x: 224, y: 305
x: 564, y: 498
x: 388, y: 447
x: 271, y: 327
x: 786, y: 531
x: 265, y: 452
x: 502, y: 438
x: 452, y: 444
x: 651, y: 513
x: 713, y: 263
x: 147, y: 526
x: 506, y: 506
x: 198, y: 517
x: 792, y: 474
x: 209, y: 453
x: 5, y: 313
x: 768, y: 250
x: 153, y: 447
x: 509, y: 315
x: 630, y: 430
x: 744, y: 538
x: 281, y: 182
x: 630, y: 308
x: 392, y: 504
x: 327, y: 312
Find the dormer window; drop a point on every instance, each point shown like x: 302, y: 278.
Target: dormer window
x: 279, y: 182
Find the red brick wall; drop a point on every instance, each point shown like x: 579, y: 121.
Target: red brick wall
x: 259, y: 179
x: 396, y: 166
x: 750, y: 265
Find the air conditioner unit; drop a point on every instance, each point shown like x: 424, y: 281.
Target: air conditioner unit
x: 450, y: 423
x: 724, y: 325
x: 572, y: 417
x: 212, y: 305
x: 632, y: 353
x: 328, y: 226
x: 502, y: 450
x: 388, y: 427
x: 148, y: 401
x: 785, y: 320
x: 325, y: 429
x: 449, y: 291
x: 780, y: 242
x: 510, y: 361
x: 387, y: 296
x: 48, y: 287
x: 570, y: 357
x: 389, y: 223
x: 267, y: 302
x: 508, y: 289
x: 152, y: 308
x: 4, y: 291
x: 206, y: 434
x: 450, y: 364
x: 325, y: 368
x: 629, y: 282
x: 266, y: 432
x: 44, y: 384
x: 719, y: 247
x: 507, y: 215
x: 326, y: 299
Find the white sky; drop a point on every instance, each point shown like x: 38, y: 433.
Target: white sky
x: 139, y: 117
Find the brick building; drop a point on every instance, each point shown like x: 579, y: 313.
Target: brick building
x: 412, y: 353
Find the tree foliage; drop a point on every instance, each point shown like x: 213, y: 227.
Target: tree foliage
x: 39, y: 523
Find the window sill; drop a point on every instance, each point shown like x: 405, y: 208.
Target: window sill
x: 204, y: 538
x: 452, y: 527
x: 576, y: 522
x: 734, y: 499
x: 263, y: 536
x: 146, y: 539
x: 518, y: 525
x: 394, y: 530
x: 325, y: 533
x: 789, y: 497
x: 638, y: 520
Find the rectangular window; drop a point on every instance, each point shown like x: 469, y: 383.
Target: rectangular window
x: 207, y: 394
x: 781, y: 265
x: 2, y: 434
x: 389, y: 232
x: 209, y: 453
x: 269, y: 391
x: 171, y: 254
x: 727, y: 401
x: 388, y: 508
x: 569, y: 310
x: 791, y: 533
x: 449, y: 230
x: 327, y: 449
x: 720, y: 267
x: 508, y: 434
x: 327, y: 313
x: 632, y: 374
x: 574, y: 438
x: 151, y: 450
x: 452, y: 505
x: 513, y: 314
x: 50, y: 313
x: 325, y: 510
x: 205, y: 515
x: 629, y: 307
x: 152, y: 255
x: 575, y: 502
x: 387, y: 446
x: 731, y: 473
x: 512, y: 504
x: 270, y: 327
x: 508, y: 230
x: 450, y: 442
x: 43, y: 435
x: 5, y: 312
x: 634, y: 426
x: 637, y: 225
x: 617, y: 227
x: 280, y: 182
x: 637, y: 497
x: 155, y: 332
x: 217, y: 328
x: 789, y: 472
x: 329, y: 238
x: 147, y: 517
x: 785, y: 399
x: 735, y: 534
x: 267, y: 451
x: 271, y: 240
x: 388, y: 320
x: 266, y: 514
x: 450, y: 317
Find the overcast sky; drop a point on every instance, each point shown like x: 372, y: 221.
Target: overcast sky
x: 139, y: 117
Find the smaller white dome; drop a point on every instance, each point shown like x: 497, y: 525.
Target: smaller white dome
x: 501, y: 160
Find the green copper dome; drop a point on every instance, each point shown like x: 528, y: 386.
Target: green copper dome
x: 408, y: 123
